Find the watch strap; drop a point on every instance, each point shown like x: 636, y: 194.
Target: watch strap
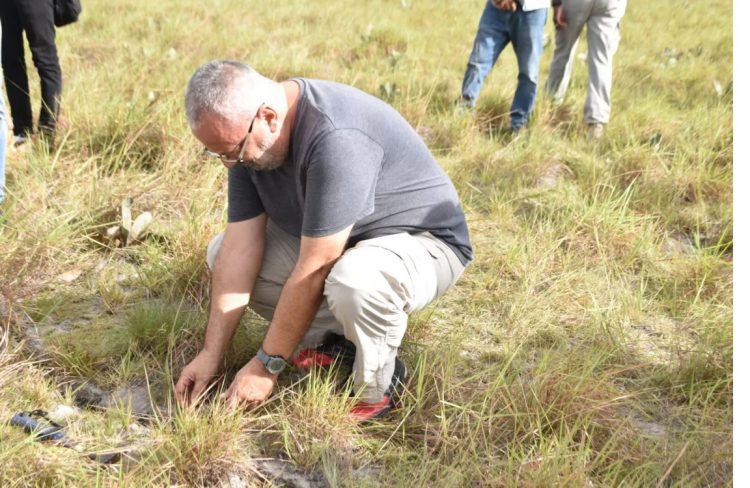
x: 265, y: 359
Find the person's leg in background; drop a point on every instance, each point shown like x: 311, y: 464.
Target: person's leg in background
x: 603, y: 39
x: 566, y: 40
x: 38, y: 22
x: 527, y: 36
x: 14, y: 71
x: 3, y: 131
x: 492, y: 37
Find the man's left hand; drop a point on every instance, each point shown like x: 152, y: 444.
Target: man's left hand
x: 251, y: 386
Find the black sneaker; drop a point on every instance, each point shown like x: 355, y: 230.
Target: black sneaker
x: 365, y: 412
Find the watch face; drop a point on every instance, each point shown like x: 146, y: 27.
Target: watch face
x: 275, y: 365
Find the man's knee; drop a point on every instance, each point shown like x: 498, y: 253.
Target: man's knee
x: 345, y: 290
x: 357, y: 287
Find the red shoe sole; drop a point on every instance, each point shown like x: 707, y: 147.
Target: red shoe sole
x: 362, y: 411
x: 310, y: 358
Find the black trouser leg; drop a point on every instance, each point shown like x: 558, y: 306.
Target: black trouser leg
x: 39, y: 24
x: 36, y: 18
x: 14, y: 68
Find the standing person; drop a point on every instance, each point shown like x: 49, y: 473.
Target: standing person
x: 520, y: 22
x: 602, y: 18
x: 36, y: 19
x: 3, y: 132
x: 341, y: 224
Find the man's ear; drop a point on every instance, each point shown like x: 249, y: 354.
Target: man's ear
x: 271, y: 117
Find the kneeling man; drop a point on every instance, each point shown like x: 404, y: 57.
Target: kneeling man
x: 341, y: 224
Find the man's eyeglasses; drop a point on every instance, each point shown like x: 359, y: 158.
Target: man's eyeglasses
x: 243, y: 145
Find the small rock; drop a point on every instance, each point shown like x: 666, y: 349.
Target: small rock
x: 33, y: 339
x: 62, y: 413
x: 138, y: 430
x: 288, y: 474
x: 236, y: 482
x: 70, y: 276
x: 678, y: 246
x: 651, y: 429
x: 137, y: 398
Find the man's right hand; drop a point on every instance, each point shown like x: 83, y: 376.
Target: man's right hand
x: 196, y: 377
x: 505, y: 4
x: 559, y: 18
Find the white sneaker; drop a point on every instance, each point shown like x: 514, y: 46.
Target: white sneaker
x: 20, y: 140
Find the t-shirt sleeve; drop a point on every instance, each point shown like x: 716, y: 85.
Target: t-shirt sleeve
x: 343, y: 170
x: 243, y: 200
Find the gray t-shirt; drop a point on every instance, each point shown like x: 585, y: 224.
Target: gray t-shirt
x: 353, y: 160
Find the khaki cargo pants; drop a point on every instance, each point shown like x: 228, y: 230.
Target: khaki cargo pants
x: 602, y: 20
x: 368, y: 295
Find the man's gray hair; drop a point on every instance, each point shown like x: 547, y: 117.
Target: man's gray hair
x: 221, y: 87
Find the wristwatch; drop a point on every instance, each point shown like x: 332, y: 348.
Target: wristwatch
x: 273, y: 364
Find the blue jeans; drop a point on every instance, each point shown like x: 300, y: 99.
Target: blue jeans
x: 525, y: 31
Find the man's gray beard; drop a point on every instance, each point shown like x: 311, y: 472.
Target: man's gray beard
x: 266, y: 163
x: 269, y: 161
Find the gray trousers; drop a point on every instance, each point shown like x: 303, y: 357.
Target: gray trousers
x: 368, y: 295
x: 602, y: 18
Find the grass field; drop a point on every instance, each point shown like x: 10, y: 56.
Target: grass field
x: 589, y: 344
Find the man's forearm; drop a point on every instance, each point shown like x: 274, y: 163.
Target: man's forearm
x: 236, y: 268
x: 299, y: 302
x: 226, y: 311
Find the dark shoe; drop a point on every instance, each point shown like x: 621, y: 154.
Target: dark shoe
x: 47, y: 136
x: 335, y: 348
x: 364, y: 412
